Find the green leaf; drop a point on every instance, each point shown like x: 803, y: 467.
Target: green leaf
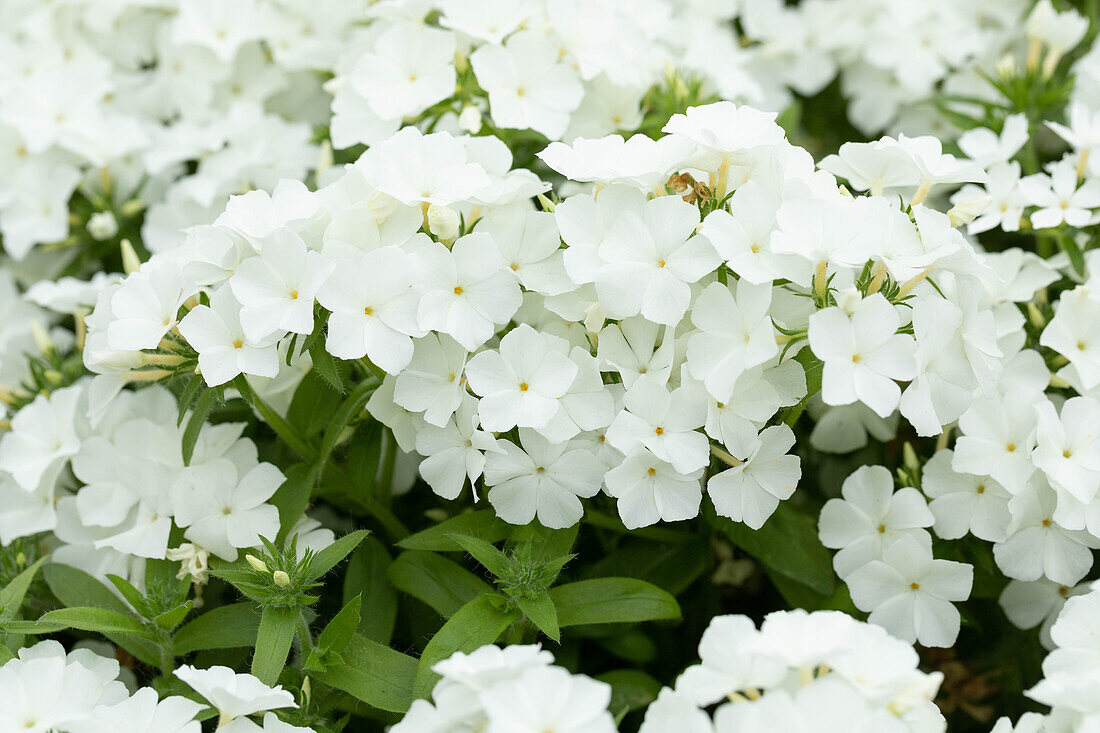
x: 224, y: 627
x: 443, y: 584
x: 203, y: 405
x: 492, y: 559
x: 313, y: 405
x: 73, y: 587
x: 540, y: 611
x: 342, y: 627
x: 479, y: 622
x: 132, y: 595
x: 787, y: 544
x: 173, y: 618
x: 89, y: 618
x: 612, y: 600
x: 273, y: 640
x: 373, y: 673
x: 671, y: 566
x: 483, y: 524
x: 31, y: 627
x: 325, y: 365
x: 292, y: 497
x: 334, y: 554
x: 366, y: 578
x: 11, y: 597
x: 351, y: 408
x: 188, y: 396
x: 631, y: 689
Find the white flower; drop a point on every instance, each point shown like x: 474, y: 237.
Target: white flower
x: 374, y: 309
x: 455, y: 451
x: 751, y: 491
x: 910, y: 594
x: 871, y: 167
x: 222, y: 512
x: 1074, y: 332
x: 735, y: 334
x: 863, y: 354
x: 542, y: 480
x: 276, y: 290
x: 414, y: 167
x: 729, y: 661
x: 756, y: 397
x: 870, y: 518
x: 1061, y: 31
x: 987, y: 148
x: 650, y: 490
x: 44, y: 689
x: 1061, y: 196
x: 963, y: 502
x: 998, y: 434
x: 43, y: 434
x: 725, y: 132
x: 666, y: 423
x: 1038, y: 602
x: 634, y: 346
x: 528, y: 86
x: 146, y: 305
x: 651, y: 259
x: 521, y: 383
x: 528, y: 242
x: 409, y: 68
x: 549, y: 698
x: 1067, y: 448
x: 466, y: 291
x: 433, y: 381
x: 142, y: 713
x: 742, y: 236
x: 1036, y: 545
x: 234, y: 695
x: 215, y: 331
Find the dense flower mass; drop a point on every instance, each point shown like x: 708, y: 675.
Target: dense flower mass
x: 527, y: 366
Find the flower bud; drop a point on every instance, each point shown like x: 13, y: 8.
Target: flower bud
x: 281, y: 578
x: 848, y: 300
x: 256, y: 563
x: 130, y: 261
x: 968, y: 208
x: 470, y: 119
x: 102, y: 225
x: 443, y: 222
x: 41, y: 337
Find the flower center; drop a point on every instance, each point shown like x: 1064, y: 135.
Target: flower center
x: 523, y: 387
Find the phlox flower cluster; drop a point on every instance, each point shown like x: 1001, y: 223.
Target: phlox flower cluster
x: 799, y: 671
x: 45, y: 690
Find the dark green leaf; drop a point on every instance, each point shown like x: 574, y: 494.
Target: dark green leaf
x: 443, y: 584
x: 334, y: 554
x: 540, y: 611
x: 492, y: 559
x: 787, y: 544
x: 479, y: 622
x: 89, y: 618
x: 224, y: 627
x: 325, y: 365
x: 273, y: 640
x: 203, y: 405
x: 292, y: 497
x: 366, y: 578
x: 173, y: 618
x: 132, y: 595
x: 374, y: 673
x: 612, y: 600
x: 188, y: 396
x: 483, y: 524
x: 630, y: 690
x: 313, y: 405
x: 11, y: 597
x: 342, y: 627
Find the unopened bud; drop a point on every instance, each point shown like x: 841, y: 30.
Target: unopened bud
x: 1035, y: 316
x: 41, y: 338
x: 102, y: 226
x: 443, y: 222
x: 1006, y: 67
x: 133, y: 207
x: 968, y: 208
x: 281, y: 578
x: 848, y: 300
x: 547, y: 204
x: 256, y: 563
x: 131, y: 263
x: 470, y: 119
x: 909, y: 459
x: 326, y: 159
